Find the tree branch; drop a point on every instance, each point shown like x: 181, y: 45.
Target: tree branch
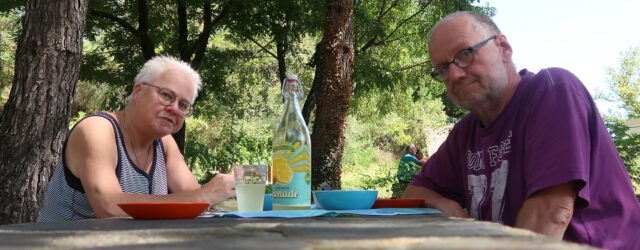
x: 141, y: 32
x: 412, y: 66
x: 143, y: 29
x: 262, y: 47
x: 373, y: 42
x: 200, y: 45
x: 185, y: 52
x: 381, y: 15
x: 403, y: 68
x: 393, y: 40
x: 409, y: 18
x: 119, y: 21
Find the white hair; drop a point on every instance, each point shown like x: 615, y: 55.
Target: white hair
x: 480, y: 21
x: 158, y: 64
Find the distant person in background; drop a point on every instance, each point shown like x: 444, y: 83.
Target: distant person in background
x: 420, y: 156
x: 533, y: 152
x: 407, y: 167
x: 129, y: 156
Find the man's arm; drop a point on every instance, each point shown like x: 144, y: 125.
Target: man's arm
x: 434, y: 200
x: 549, y: 210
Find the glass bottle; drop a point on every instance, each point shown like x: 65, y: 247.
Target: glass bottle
x: 291, y: 152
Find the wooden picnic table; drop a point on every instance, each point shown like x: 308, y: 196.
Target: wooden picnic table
x: 344, y: 232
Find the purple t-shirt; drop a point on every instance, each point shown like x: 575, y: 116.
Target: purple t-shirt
x: 550, y: 133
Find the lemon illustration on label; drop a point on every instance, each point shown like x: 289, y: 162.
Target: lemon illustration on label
x: 283, y: 173
x: 304, y: 169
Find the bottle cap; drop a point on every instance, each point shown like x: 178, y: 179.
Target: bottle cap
x: 291, y: 82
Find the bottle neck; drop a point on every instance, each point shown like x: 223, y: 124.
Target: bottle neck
x: 291, y: 102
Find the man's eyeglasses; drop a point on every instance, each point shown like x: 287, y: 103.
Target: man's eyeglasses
x: 167, y: 97
x: 463, y: 59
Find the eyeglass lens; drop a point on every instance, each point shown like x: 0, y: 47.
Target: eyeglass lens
x: 167, y: 97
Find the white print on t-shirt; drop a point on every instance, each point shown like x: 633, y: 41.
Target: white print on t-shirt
x: 477, y: 187
x: 475, y: 160
x: 497, y: 152
x: 498, y: 184
x: 477, y: 184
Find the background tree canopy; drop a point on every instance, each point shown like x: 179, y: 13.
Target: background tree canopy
x: 244, y: 48
x: 624, y: 89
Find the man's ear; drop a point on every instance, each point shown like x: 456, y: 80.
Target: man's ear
x: 505, y: 47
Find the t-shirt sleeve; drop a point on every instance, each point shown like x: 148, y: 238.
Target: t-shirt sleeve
x: 556, y: 131
x: 439, y: 173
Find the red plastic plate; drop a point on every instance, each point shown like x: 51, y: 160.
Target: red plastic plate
x: 165, y: 210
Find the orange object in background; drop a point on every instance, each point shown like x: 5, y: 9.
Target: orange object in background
x: 398, y: 203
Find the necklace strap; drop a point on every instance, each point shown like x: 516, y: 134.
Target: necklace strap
x: 130, y: 135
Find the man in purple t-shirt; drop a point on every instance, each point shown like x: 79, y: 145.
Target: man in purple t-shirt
x: 533, y: 153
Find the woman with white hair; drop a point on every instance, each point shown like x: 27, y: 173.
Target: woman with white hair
x: 129, y: 156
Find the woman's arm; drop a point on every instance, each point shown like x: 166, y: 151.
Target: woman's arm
x: 91, y: 156
x: 180, y: 179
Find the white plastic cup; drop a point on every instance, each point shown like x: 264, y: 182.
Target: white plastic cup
x: 250, y: 184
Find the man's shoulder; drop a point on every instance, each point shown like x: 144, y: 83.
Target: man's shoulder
x: 554, y: 84
x: 464, y: 126
x: 551, y: 78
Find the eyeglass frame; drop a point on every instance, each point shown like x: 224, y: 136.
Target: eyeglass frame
x: 455, y: 61
x: 186, y: 113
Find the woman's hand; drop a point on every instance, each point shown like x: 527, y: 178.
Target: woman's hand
x: 220, y: 188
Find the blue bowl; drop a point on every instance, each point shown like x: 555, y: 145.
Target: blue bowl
x: 268, y: 202
x: 345, y: 199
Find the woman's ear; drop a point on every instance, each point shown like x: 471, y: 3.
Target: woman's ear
x: 136, y: 89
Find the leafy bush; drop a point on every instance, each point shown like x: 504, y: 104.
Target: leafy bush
x: 382, y: 180
x: 214, y: 147
x: 628, y: 146
x: 75, y: 119
x: 377, y: 134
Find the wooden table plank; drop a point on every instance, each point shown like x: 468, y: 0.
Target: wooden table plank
x: 360, y: 232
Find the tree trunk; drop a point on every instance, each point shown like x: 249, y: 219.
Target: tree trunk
x: 334, y: 93
x: 1, y: 61
x: 317, y: 61
x: 35, y: 118
x: 281, y: 52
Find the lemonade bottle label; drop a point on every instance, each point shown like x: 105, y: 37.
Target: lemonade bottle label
x: 292, y: 175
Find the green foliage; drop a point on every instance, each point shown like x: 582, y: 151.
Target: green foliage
x: 373, y: 146
x: 212, y: 146
x: 413, y: 120
x: 391, y: 49
x: 628, y: 145
x: 76, y: 119
x: 9, y: 24
x: 394, y: 101
x: 624, y: 84
x: 382, y: 180
x: 92, y: 97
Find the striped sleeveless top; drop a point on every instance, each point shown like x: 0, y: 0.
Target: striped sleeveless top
x: 65, y: 198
